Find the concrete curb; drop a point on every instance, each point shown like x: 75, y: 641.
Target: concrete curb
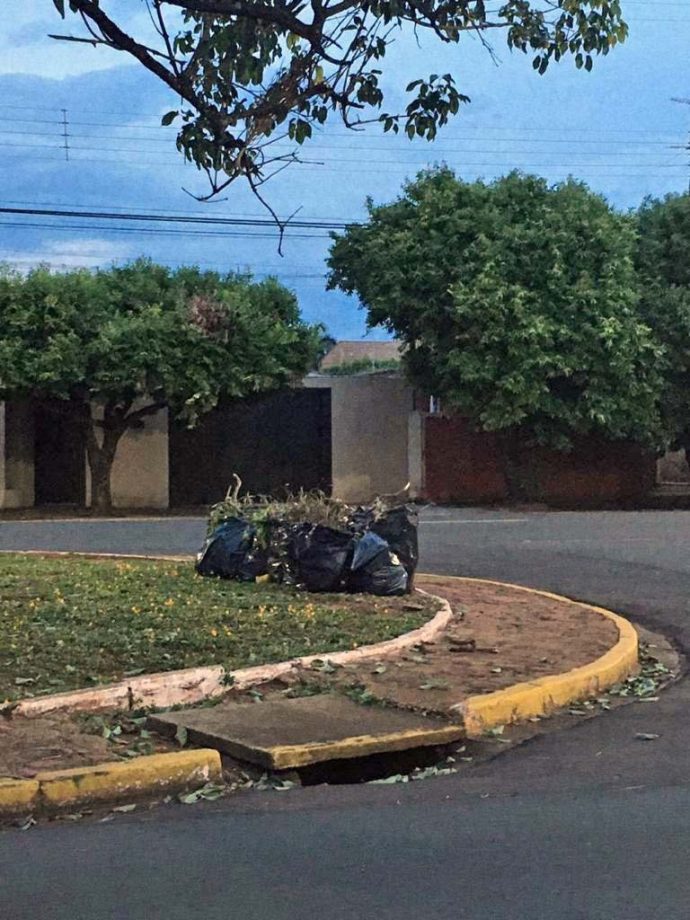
x: 192, y: 685
x: 109, y: 783
x: 544, y: 695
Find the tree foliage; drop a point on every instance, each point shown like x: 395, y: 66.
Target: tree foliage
x: 515, y: 302
x: 114, y: 347
x: 248, y: 74
x: 663, y: 261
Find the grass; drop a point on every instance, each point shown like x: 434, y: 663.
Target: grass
x: 70, y: 622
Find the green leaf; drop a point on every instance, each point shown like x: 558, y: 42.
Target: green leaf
x: 60, y: 7
x: 390, y: 780
x: 181, y: 735
x: 169, y: 118
x: 208, y: 793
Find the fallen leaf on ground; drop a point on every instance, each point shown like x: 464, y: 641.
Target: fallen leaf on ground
x: 434, y: 685
x: 207, y: 793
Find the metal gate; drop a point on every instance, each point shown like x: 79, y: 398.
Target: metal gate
x: 276, y: 442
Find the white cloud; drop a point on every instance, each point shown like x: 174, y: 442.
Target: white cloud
x: 27, y: 49
x: 62, y: 254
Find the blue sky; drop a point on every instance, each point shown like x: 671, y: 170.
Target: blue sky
x: 617, y: 128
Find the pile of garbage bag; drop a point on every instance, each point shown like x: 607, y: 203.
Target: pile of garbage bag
x: 373, y: 550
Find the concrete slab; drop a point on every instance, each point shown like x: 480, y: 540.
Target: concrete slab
x: 288, y: 733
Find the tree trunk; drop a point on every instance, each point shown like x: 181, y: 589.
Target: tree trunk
x: 101, y: 454
x: 101, y: 495
x: 519, y: 476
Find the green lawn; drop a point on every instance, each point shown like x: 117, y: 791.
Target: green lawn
x: 69, y: 622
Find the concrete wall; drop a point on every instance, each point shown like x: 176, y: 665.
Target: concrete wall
x: 140, y: 471
x: 369, y: 433
x: 673, y: 468
x: 16, y: 455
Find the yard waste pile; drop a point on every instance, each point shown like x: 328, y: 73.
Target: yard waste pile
x: 313, y: 542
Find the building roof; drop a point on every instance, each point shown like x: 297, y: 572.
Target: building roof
x: 348, y: 352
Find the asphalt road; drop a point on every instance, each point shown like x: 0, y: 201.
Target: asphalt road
x: 588, y: 823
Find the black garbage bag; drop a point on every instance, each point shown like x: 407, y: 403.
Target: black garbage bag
x: 375, y: 569
x: 398, y: 527
x: 321, y: 556
x: 366, y: 549
x: 231, y: 552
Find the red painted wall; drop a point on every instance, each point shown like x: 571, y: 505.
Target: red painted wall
x: 464, y: 465
x: 460, y: 464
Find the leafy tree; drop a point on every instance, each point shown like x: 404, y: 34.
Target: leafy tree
x: 516, y: 303
x: 663, y: 261
x: 114, y: 347
x: 248, y: 73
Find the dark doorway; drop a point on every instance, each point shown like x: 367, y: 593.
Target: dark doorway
x: 59, y: 456
x: 273, y: 442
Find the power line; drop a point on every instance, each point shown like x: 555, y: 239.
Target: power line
x: 166, y: 218
x: 319, y: 146
x: 507, y: 159
x: 164, y: 231
x: 331, y: 131
x: 135, y: 208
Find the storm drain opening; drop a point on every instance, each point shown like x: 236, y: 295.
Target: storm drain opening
x: 394, y: 766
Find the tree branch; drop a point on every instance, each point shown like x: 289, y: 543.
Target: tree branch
x: 139, y: 414
x: 124, y: 42
x: 257, y: 11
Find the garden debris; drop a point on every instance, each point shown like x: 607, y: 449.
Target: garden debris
x: 313, y: 541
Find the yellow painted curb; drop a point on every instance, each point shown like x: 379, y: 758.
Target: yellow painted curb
x: 290, y: 756
x: 111, y: 782
x: 18, y: 796
x: 545, y: 694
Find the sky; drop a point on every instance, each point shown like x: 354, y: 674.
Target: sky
x: 617, y: 128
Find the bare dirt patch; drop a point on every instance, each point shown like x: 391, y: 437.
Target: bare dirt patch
x: 499, y: 636
x: 29, y: 746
